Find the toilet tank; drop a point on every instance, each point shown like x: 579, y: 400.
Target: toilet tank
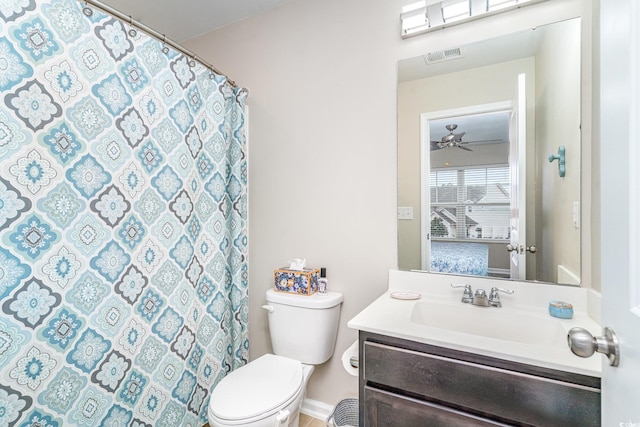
x: 303, y: 327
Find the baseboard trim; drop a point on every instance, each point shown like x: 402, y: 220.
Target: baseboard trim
x: 316, y: 409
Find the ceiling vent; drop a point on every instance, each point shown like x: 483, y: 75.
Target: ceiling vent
x: 442, y: 55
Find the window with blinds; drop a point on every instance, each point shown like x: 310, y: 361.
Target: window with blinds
x: 470, y: 203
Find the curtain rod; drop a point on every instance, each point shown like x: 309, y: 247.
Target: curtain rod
x: 151, y: 32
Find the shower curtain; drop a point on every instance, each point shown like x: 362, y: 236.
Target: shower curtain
x: 123, y: 223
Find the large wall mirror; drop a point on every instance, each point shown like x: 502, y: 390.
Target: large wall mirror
x: 477, y: 126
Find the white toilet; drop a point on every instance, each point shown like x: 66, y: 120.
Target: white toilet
x: 269, y: 391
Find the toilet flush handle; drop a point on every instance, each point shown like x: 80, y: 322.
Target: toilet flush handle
x: 269, y: 308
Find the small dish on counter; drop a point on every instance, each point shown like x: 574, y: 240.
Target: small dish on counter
x: 406, y: 295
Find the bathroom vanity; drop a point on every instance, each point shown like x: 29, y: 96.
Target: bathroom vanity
x: 404, y: 383
x: 435, y: 361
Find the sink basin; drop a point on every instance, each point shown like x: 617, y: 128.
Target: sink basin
x: 490, y: 322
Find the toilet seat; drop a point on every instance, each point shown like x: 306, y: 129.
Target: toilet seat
x: 257, y: 390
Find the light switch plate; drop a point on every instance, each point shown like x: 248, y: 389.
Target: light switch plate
x: 405, y: 212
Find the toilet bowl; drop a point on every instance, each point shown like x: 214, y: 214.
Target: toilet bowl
x: 270, y: 390
x: 266, y: 392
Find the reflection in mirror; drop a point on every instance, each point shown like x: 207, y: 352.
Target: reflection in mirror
x: 469, y: 194
x: 476, y: 126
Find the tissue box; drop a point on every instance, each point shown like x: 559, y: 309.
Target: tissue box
x: 301, y: 282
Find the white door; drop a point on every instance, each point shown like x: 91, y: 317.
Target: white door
x: 620, y: 206
x: 517, y: 170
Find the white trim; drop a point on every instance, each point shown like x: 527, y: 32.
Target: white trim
x: 425, y: 196
x: 634, y: 159
x: 491, y: 107
x: 316, y: 409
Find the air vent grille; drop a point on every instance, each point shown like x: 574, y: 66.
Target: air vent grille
x: 442, y: 55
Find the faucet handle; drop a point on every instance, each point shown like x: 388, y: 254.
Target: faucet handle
x: 494, y: 297
x: 467, y: 296
x: 461, y: 285
x: 495, y: 290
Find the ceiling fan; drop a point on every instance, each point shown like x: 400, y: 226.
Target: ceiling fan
x: 454, y: 140
x: 451, y: 140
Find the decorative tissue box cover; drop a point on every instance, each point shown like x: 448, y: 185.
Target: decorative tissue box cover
x: 301, y: 282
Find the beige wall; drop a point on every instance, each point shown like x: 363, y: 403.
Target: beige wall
x: 558, y: 123
x: 322, y: 129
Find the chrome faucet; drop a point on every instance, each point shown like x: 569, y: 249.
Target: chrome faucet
x: 494, y: 298
x: 467, y: 296
x: 480, y: 298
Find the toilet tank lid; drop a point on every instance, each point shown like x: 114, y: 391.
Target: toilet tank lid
x: 317, y: 301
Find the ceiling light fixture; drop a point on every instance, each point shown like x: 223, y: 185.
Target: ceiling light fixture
x: 423, y: 16
x: 500, y: 4
x: 414, y: 18
x: 455, y: 10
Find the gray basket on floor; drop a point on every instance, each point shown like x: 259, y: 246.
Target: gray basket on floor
x: 345, y: 414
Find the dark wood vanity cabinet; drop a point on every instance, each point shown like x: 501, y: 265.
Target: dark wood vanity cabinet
x: 404, y: 383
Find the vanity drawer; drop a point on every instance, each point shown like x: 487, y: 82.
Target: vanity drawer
x: 481, y: 389
x: 385, y: 409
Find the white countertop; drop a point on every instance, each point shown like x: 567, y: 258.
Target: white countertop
x: 393, y: 317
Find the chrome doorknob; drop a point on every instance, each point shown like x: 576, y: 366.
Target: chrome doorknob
x: 511, y: 248
x: 583, y: 344
x: 532, y: 249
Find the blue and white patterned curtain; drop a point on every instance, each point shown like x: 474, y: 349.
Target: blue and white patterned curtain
x: 123, y: 236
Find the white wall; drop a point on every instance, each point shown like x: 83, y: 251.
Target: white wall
x: 322, y: 81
